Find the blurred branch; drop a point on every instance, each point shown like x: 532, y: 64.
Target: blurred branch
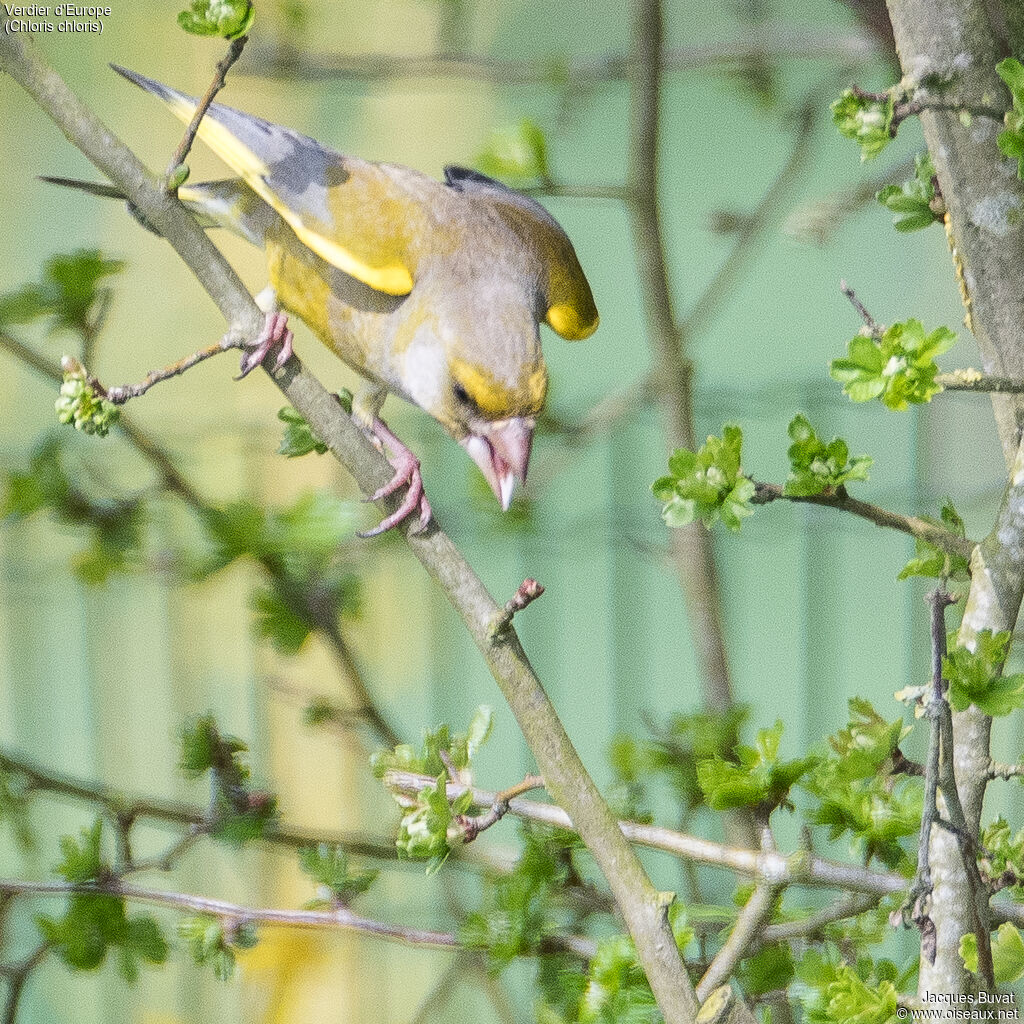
x: 745, y: 932
x: 808, y: 927
x: 800, y: 868
x: 691, y: 546
x: 644, y: 909
x: 116, y: 802
x: 304, y: 602
x: 17, y: 975
x: 842, y: 502
x: 777, y: 42
x: 340, y: 918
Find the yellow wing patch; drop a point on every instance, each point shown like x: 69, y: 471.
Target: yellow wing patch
x: 392, y: 278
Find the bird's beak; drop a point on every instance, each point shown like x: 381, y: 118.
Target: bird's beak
x: 502, y: 452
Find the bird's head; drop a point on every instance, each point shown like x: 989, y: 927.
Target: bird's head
x: 474, y: 363
x: 471, y: 348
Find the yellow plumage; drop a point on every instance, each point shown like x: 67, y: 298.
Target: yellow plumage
x: 431, y: 290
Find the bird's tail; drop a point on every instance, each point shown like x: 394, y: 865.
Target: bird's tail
x: 228, y: 203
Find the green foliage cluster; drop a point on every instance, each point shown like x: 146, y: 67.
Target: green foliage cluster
x: 867, y: 120
x: 898, y: 367
x: 97, y: 923
x: 115, y: 526
x: 934, y: 562
x: 834, y: 991
x: 300, y: 546
x: 1011, y: 141
x: 1002, y: 856
x: 69, y: 295
x: 214, y: 943
x: 427, y: 816
x: 708, y: 484
x: 522, y: 909
x: 816, y: 467
x: 1007, y: 953
x: 914, y: 202
x: 975, y: 677
x: 338, y: 881
x: 228, y: 19
x: 758, y: 778
x: 239, y: 813
x: 857, y: 794
x: 672, y: 756
x: 81, y: 405
x: 298, y: 439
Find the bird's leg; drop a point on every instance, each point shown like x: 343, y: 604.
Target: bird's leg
x: 365, y: 409
x: 275, y: 330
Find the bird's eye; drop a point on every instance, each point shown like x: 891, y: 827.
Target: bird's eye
x: 461, y: 394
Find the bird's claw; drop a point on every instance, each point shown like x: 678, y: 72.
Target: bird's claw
x: 407, y: 473
x: 275, y: 331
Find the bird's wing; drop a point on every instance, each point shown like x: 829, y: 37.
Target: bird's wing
x: 570, y: 308
x: 354, y: 214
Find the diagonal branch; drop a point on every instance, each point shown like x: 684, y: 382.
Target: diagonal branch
x: 643, y: 908
x: 938, y: 536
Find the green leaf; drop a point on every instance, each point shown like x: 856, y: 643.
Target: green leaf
x: 816, y: 467
x: 82, y: 860
x: 329, y: 867
x: 707, y: 484
x: 913, y: 202
x: 516, y: 155
x: 1011, y: 141
x: 68, y: 293
x: 211, y: 943
x: 298, y: 438
x: 899, y: 367
x: 867, y: 742
x: 934, y: 562
x: 974, y: 676
x: 277, y: 621
x: 240, y: 813
x: 770, y: 968
x: 1007, y: 954
x: 95, y: 923
x: 225, y: 18
x: 760, y: 778
x: 865, y: 120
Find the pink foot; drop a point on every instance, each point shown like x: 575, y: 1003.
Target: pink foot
x: 407, y: 473
x: 275, y: 330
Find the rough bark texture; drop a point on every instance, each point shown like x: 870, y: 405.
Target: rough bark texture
x: 953, y: 46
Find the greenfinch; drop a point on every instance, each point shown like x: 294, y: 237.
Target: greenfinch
x: 433, y: 291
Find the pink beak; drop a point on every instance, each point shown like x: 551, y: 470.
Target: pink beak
x: 502, y: 452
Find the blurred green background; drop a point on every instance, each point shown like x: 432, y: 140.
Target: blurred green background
x: 96, y: 681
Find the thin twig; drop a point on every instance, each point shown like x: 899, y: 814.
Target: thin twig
x: 842, y: 502
x: 336, y: 918
x: 16, y: 978
x: 234, y: 52
x: 999, y: 770
x: 969, y: 379
x: 812, y: 925
x: 872, y: 324
x: 528, y: 592
x: 745, y: 932
x: 124, y: 392
x: 171, y: 812
x: 799, y: 868
x: 473, y: 826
